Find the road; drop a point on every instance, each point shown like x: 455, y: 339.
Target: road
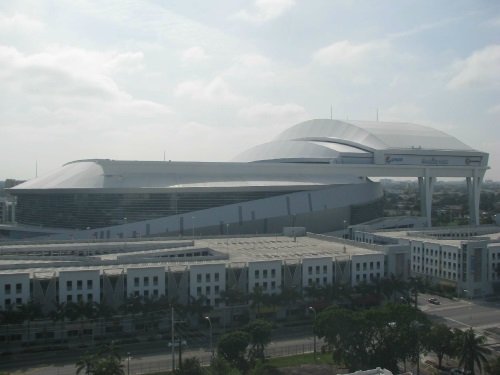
x: 154, y: 356
x: 148, y: 357
x: 460, y: 313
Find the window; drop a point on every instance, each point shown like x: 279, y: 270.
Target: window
x: 264, y: 274
x: 378, y: 265
x: 216, y: 276
x: 371, y: 265
x: 264, y: 285
x: 216, y: 289
x: 198, y: 291
x: 6, y: 288
x: 79, y: 285
x: 198, y: 278
x: 273, y: 273
x: 69, y: 285
x: 146, y: 293
x: 317, y: 281
x: 155, y: 292
x: 146, y: 281
x: 325, y: 269
x: 273, y: 285
x: 136, y: 281
x: 324, y: 280
x: 317, y: 270
x: 79, y: 297
x: 207, y: 290
x: 256, y: 274
x: 364, y: 266
x: 19, y: 301
x: 310, y: 270
x: 19, y: 288
x: 90, y: 297
x: 89, y: 284
x: 357, y: 266
x: 357, y: 277
x: 207, y: 277
x: 7, y: 301
x: 155, y: 280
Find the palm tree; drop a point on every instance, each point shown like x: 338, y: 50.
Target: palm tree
x: 86, y: 363
x: 472, y: 352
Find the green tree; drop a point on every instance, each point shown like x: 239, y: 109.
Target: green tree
x: 440, y: 341
x: 86, y: 364
x: 264, y: 368
x: 106, y: 361
x: 493, y: 366
x: 232, y: 347
x: 472, y: 351
x: 260, y: 337
x: 370, y: 338
x: 108, y: 365
x: 190, y: 366
x: 220, y: 366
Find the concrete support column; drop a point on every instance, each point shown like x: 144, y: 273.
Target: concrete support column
x: 474, y: 191
x: 426, y: 189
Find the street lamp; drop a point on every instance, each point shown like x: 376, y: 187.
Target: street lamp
x: 227, y: 233
x: 128, y: 363
x: 211, y: 332
x: 345, y: 230
x: 417, y: 325
x: 192, y: 222
x: 310, y: 308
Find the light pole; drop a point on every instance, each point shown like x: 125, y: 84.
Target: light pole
x: 227, y: 233
x: 417, y: 325
x: 192, y: 222
x: 128, y: 363
x: 211, y: 332
x: 310, y: 308
x: 345, y: 230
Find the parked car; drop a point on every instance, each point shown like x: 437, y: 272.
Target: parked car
x: 434, y: 301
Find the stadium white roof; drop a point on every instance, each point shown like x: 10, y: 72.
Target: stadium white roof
x: 332, y: 139
x: 331, y: 149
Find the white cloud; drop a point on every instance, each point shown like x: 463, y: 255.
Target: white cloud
x: 345, y: 52
x: 69, y: 85
x: 19, y: 22
x: 495, y: 109
x: 253, y: 60
x: 216, y: 90
x: 401, y: 112
x: 264, y: 10
x: 493, y: 22
x: 194, y: 55
x: 479, y: 70
x: 267, y: 113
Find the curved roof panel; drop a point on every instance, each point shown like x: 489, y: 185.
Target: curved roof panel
x: 374, y: 135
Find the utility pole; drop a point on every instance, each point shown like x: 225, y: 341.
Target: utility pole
x: 173, y: 340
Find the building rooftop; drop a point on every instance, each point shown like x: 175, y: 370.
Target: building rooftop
x: 38, y: 258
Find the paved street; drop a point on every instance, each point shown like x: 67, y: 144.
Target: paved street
x: 463, y: 313
x: 148, y: 357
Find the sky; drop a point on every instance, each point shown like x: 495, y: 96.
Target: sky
x: 204, y: 80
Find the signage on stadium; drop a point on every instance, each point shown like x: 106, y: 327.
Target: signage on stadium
x: 432, y: 160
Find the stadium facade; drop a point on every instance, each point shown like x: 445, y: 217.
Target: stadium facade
x: 315, y: 174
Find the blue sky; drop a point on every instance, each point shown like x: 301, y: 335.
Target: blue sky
x: 202, y: 80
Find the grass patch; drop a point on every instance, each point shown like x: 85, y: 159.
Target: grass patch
x: 301, y: 359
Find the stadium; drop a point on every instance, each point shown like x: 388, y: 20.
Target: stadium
x: 316, y: 174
